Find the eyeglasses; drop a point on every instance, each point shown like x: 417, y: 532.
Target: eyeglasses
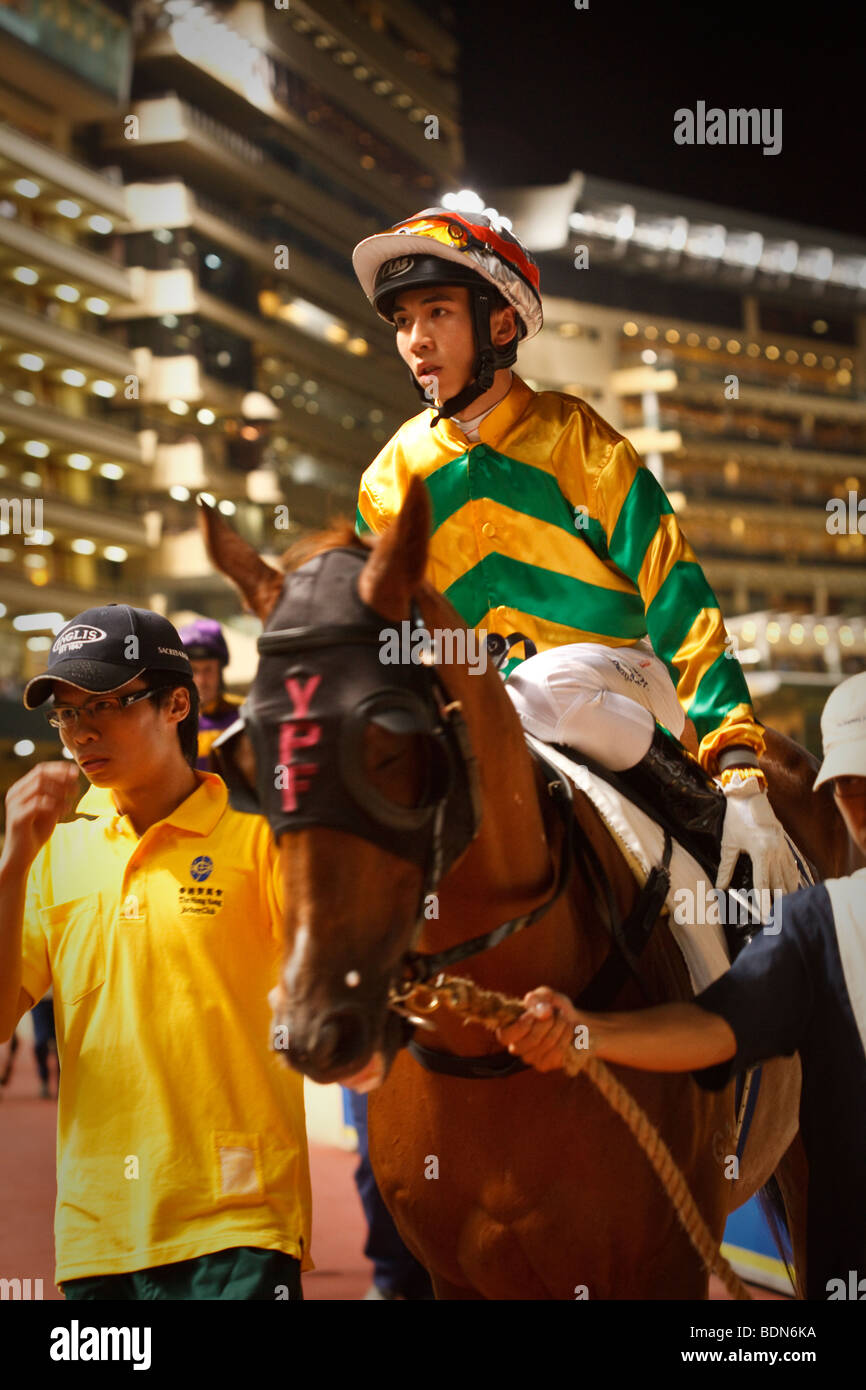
x: 66, y: 717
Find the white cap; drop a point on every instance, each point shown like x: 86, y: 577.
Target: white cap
x: 843, y: 731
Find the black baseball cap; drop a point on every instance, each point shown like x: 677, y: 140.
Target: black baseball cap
x: 105, y: 648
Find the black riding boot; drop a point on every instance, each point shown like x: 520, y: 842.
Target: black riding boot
x: 675, y: 789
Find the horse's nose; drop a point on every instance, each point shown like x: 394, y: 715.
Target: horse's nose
x: 343, y: 1038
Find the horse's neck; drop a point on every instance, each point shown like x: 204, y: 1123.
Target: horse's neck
x: 509, y: 858
x: 507, y: 867
x: 510, y: 869
x: 512, y: 865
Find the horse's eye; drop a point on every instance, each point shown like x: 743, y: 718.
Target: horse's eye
x: 381, y: 747
x: 397, y: 764
x: 390, y: 759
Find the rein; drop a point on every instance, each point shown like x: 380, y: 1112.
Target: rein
x: 420, y: 967
x: 628, y: 938
x: 493, y: 1010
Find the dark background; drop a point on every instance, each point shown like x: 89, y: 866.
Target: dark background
x: 547, y: 89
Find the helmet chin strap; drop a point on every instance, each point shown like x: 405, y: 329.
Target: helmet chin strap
x: 483, y: 368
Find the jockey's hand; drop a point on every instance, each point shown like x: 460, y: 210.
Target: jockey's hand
x: 544, y: 1034
x: 751, y: 828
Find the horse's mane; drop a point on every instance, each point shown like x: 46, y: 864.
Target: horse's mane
x: 340, y: 535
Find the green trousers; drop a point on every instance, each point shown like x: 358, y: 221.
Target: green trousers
x: 240, y: 1273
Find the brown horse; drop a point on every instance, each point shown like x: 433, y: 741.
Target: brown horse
x: 526, y: 1186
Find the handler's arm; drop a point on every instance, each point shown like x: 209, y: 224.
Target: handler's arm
x: 671, y: 1037
x: 760, y: 1008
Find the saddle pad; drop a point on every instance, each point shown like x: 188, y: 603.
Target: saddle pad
x: 641, y: 842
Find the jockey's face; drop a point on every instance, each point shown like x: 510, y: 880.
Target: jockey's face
x: 435, y: 336
x: 207, y: 674
x: 850, y: 795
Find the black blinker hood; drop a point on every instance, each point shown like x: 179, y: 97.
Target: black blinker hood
x: 319, y: 684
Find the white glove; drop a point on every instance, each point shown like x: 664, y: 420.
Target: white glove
x: 751, y: 828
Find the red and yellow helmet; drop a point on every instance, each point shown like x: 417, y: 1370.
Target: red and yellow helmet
x: 440, y: 247
x: 410, y: 253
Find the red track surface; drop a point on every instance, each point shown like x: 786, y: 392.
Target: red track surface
x: 28, y: 1189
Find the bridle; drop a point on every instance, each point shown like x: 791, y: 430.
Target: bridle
x: 432, y: 834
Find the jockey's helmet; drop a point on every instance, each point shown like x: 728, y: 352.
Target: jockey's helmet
x: 440, y: 247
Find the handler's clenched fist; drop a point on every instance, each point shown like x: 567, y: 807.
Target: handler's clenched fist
x: 34, y: 805
x: 544, y: 1035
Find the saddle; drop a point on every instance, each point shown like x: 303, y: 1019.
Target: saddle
x: 702, y: 843
x: 629, y: 935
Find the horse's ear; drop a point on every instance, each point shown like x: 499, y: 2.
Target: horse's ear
x: 258, y: 583
x: 397, y: 563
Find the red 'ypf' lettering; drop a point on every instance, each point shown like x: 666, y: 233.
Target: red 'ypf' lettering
x: 301, y: 735
x: 293, y: 736
x: 297, y: 780
x: 301, y: 693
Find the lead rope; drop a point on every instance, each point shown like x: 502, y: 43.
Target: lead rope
x: 493, y: 1010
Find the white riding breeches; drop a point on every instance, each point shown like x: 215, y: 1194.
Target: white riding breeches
x: 603, y: 701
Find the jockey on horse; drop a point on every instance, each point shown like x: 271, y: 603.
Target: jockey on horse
x: 551, y: 534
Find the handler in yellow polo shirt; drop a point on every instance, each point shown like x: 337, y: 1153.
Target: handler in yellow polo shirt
x: 182, y: 1165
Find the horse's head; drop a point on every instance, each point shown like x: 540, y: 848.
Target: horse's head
x: 361, y: 762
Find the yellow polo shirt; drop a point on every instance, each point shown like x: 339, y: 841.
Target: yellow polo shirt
x: 180, y: 1132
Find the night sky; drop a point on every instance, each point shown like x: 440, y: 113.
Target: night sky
x: 547, y: 89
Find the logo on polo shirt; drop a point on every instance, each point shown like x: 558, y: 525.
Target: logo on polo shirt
x: 71, y: 638
x: 199, y: 901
